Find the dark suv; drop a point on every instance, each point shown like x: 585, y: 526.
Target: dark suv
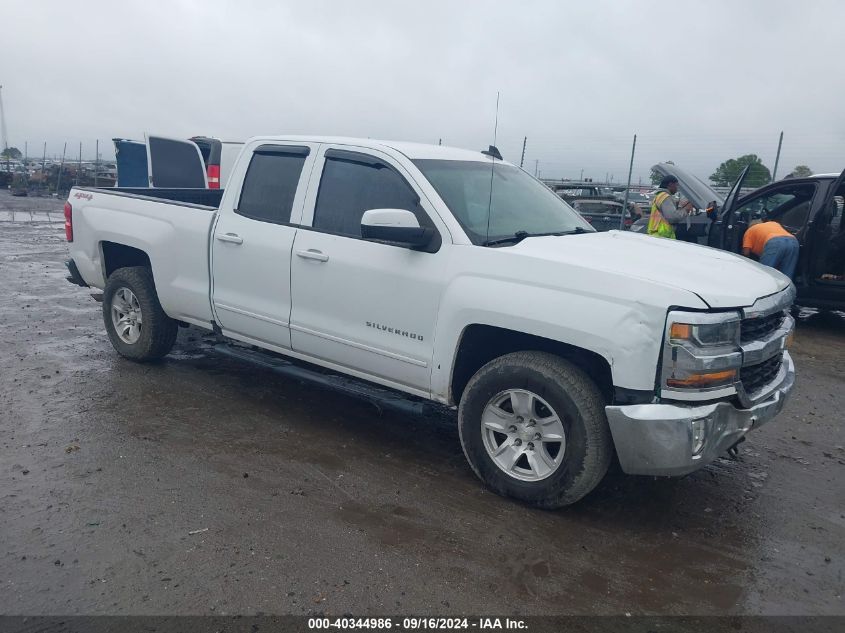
x: 809, y: 208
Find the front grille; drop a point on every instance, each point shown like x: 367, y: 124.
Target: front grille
x: 755, y: 377
x: 760, y: 328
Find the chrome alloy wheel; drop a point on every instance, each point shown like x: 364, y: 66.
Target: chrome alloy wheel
x: 126, y: 315
x: 523, y: 435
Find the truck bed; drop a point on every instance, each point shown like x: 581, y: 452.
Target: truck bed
x: 169, y: 227
x: 200, y: 197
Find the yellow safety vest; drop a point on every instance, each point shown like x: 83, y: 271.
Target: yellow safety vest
x: 658, y: 226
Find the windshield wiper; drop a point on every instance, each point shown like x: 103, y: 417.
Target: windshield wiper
x: 513, y: 239
x: 521, y: 235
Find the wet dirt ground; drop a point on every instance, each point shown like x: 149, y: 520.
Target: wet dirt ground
x: 205, y: 485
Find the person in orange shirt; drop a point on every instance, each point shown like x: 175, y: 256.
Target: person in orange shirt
x: 773, y: 245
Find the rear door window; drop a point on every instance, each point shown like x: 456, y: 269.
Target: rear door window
x: 353, y: 183
x: 270, y: 183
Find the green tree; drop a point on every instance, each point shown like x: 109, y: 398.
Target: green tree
x: 11, y: 152
x: 656, y: 177
x: 802, y: 171
x: 728, y: 172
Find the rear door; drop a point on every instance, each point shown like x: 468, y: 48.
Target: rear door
x: 175, y: 163
x: 252, y: 241
x: 825, y: 245
x: 724, y: 233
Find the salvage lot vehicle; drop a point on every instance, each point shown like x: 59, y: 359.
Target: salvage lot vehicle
x: 603, y: 215
x: 574, y: 191
x: 809, y: 208
x: 396, y: 263
x: 198, y: 162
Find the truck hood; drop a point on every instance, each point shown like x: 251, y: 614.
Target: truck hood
x: 719, y: 278
x: 692, y: 188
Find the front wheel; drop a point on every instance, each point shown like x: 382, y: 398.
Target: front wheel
x: 533, y: 427
x: 137, y: 326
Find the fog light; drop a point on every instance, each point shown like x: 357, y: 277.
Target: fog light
x: 699, y: 430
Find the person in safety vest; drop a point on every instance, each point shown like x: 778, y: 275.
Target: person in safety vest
x: 664, y: 214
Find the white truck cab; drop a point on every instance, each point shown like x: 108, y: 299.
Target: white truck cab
x: 453, y: 276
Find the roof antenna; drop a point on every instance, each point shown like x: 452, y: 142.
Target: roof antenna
x: 494, y: 154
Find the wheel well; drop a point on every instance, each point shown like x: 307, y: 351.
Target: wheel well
x: 121, y: 256
x: 482, y: 343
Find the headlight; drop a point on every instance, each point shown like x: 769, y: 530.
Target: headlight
x: 701, y: 354
x: 706, y: 334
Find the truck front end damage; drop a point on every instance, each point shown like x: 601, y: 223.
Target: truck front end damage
x: 722, y: 374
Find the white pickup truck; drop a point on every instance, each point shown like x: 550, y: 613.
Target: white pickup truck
x: 453, y: 276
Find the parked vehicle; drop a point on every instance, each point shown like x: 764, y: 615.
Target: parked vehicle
x: 642, y: 200
x: 576, y: 190
x: 809, y: 208
x: 450, y: 276
x: 603, y: 215
x: 199, y: 162
x: 20, y: 184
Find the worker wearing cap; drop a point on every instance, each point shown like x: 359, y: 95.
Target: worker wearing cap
x: 664, y: 213
x: 773, y: 245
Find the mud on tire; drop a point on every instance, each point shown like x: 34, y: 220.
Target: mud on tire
x: 562, y: 391
x: 157, y: 332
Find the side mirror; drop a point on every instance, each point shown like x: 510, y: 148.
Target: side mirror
x: 397, y: 226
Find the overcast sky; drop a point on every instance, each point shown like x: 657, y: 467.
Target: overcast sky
x: 698, y: 82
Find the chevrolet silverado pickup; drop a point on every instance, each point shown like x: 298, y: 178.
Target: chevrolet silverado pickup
x: 453, y: 276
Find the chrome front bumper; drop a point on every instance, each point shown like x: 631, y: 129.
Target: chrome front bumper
x: 657, y: 439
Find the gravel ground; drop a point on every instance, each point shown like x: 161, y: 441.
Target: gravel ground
x: 205, y: 485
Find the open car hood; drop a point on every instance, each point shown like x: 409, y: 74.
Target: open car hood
x: 692, y: 188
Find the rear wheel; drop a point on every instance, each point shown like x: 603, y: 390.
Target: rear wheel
x: 533, y: 427
x: 137, y: 326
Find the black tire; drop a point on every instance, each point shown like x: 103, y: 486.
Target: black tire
x: 578, y: 403
x: 158, y: 331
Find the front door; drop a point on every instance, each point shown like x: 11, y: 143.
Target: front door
x: 252, y: 244
x: 725, y: 233
x: 362, y: 305
x: 788, y: 203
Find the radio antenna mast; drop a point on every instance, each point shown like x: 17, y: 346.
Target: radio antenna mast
x: 493, y: 152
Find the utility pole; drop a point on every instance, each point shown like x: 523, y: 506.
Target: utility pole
x: 79, y: 165
x: 96, y: 160
x: 3, y: 134
x: 582, y: 175
x: 536, y: 167
x: 628, y: 188
x: 777, y: 158
x: 61, y: 169
x: 524, y: 143
x: 44, y: 165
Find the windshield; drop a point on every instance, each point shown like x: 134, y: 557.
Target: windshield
x: 519, y: 202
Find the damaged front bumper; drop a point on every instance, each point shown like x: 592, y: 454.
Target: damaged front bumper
x: 663, y: 439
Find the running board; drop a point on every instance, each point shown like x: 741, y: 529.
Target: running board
x: 380, y: 397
